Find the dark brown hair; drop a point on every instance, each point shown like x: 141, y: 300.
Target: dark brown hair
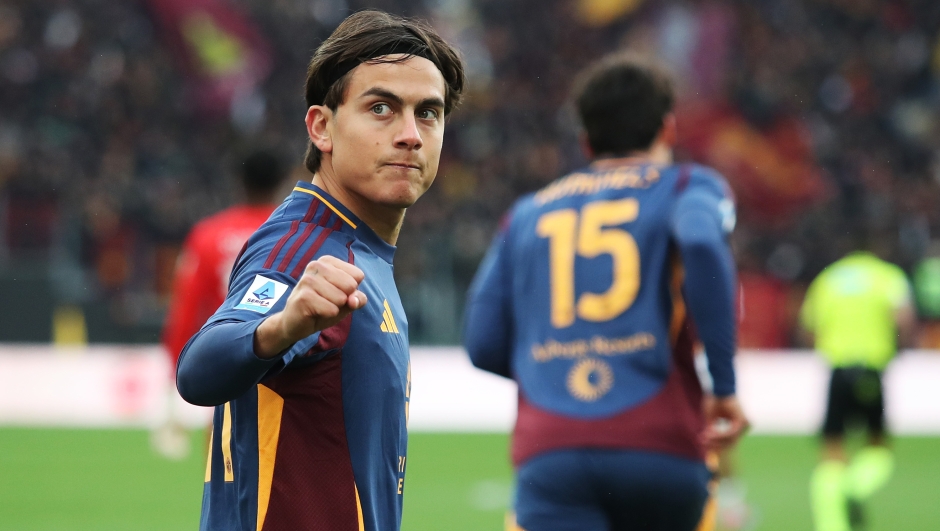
x: 622, y: 101
x: 363, y: 37
x: 261, y: 172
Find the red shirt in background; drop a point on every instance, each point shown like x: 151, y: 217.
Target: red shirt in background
x: 202, y: 272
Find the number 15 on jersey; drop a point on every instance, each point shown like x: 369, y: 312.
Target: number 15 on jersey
x: 590, y: 233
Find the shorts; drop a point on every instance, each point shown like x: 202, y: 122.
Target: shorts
x: 855, y: 397
x: 610, y: 490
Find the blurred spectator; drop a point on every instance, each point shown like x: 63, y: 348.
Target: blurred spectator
x: 815, y: 110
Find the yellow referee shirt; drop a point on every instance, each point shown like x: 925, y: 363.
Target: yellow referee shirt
x: 851, y: 307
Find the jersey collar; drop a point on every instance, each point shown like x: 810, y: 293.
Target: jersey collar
x: 351, y: 223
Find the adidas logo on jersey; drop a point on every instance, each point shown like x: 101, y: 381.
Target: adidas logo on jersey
x: 388, y: 320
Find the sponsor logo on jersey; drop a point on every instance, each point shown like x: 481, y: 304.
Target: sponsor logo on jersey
x: 262, y: 295
x: 590, y: 379
x: 389, y: 326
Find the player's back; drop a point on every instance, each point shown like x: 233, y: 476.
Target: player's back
x: 599, y: 324
x: 593, y: 286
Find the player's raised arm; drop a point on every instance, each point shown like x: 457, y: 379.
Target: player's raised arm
x: 702, y: 220
x: 488, y: 319
x: 227, y: 358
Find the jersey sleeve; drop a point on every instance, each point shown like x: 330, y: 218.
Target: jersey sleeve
x: 703, y: 218
x: 193, y: 285
x: 219, y: 363
x: 487, y: 333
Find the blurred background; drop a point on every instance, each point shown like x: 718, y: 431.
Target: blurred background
x: 121, y: 125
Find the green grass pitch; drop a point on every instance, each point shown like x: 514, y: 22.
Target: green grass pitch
x: 77, y: 480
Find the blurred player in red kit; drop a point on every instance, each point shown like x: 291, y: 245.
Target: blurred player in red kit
x: 202, y: 272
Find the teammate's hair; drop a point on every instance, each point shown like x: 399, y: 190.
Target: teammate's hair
x: 261, y: 172
x: 622, y: 101
x: 367, y: 36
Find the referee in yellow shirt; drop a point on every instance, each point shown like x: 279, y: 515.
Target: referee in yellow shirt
x: 857, y: 312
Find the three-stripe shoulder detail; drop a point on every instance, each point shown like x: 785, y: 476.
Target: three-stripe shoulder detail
x: 309, y: 233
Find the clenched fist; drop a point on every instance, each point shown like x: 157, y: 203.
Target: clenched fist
x: 327, y: 292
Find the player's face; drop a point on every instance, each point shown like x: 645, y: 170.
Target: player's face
x: 387, y: 134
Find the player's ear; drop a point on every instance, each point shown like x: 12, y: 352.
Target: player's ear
x: 585, y: 145
x: 318, y: 120
x: 669, y: 134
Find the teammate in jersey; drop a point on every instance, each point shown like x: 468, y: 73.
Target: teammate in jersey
x: 857, y: 310
x: 586, y: 299
x: 200, y: 282
x: 307, y: 359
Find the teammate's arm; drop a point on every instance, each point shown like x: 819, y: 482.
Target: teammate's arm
x: 700, y: 224
x: 488, y: 319
x: 227, y: 358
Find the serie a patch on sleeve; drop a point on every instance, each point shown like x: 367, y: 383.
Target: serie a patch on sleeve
x: 262, y: 295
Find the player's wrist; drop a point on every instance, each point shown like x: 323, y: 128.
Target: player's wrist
x: 271, y: 338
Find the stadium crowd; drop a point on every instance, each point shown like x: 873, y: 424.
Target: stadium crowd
x: 821, y: 113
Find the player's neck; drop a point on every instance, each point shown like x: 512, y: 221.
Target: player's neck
x: 659, y: 153
x: 384, y: 221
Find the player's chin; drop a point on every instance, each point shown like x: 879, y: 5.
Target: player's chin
x: 404, y: 199
x: 404, y: 192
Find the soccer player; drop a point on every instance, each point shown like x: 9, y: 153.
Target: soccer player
x: 202, y: 273
x: 307, y: 359
x: 857, y: 311
x: 586, y: 299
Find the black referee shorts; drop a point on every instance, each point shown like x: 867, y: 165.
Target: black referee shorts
x: 855, y: 397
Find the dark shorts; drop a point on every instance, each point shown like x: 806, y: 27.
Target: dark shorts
x: 608, y: 490
x: 855, y: 398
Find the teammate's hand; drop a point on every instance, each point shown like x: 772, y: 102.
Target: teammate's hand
x: 725, y: 422
x: 325, y: 294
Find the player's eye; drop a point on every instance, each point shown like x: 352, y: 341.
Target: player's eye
x: 381, y: 109
x: 428, y: 114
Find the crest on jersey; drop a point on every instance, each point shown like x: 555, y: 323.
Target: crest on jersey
x: 262, y: 295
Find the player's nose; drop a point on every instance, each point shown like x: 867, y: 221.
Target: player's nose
x: 408, y: 136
